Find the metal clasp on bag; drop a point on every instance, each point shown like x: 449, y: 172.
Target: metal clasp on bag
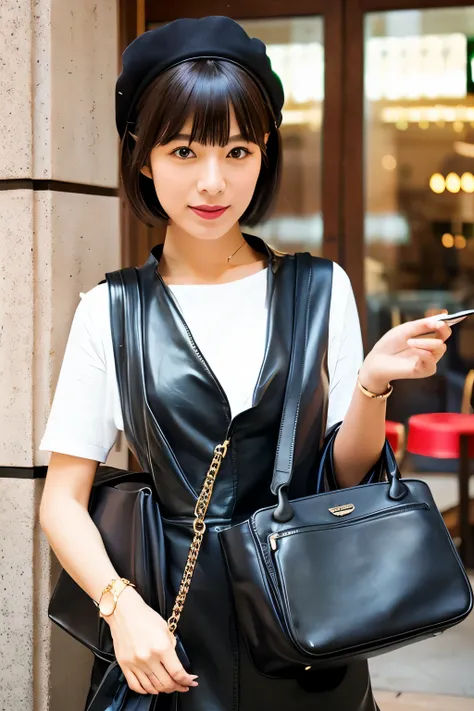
x: 342, y: 510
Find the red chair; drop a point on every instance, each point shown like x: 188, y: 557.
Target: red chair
x: 450, y: 435
x: 395, y: 433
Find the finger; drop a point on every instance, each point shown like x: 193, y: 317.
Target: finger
x: 427, y: 344
x: 434, y: 349
x: 133, y: 682
x: 163, y: 680
x: 176, y: 670
x: 435, y: 355
x: 425, y: 326
x: 424, y: 365
x: 157, y: 684
x: 443, y: 331
x: 146, y: 682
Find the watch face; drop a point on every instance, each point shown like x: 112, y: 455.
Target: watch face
x: 107, y: 604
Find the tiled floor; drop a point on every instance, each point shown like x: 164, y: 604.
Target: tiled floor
x: 443, y: 665
x: 438, y: 674
x: 389, y: 701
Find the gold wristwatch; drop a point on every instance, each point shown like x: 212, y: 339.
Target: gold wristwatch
x: 110, y: 595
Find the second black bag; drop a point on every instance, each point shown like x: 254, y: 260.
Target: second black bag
x: 127, y: 515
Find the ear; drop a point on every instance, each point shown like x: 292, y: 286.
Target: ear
x: 146, y: 172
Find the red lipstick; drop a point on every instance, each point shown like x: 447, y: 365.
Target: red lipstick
x: 208, y: 212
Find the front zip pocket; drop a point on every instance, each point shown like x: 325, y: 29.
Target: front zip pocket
x: 374, y: 570
x: 275, y: 537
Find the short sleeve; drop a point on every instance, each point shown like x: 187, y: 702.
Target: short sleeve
x: 81, y: 422
x: 345, y: 354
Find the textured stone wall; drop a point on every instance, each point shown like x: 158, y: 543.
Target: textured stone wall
x: 59, y: 233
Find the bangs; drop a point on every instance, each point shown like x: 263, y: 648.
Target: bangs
x: 204, y: 90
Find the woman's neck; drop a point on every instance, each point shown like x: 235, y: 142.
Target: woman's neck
x: 190, y: 260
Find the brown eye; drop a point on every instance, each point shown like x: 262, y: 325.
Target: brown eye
x: 183, y: 152
x: 239, y: 152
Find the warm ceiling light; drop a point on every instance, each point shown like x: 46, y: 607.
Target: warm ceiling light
x: 432, y: 114
x: 389, y: 162
x: 464, y: 149
x: 414, y: 115
x: 438, y: 114
x: 453, y: 182
x: 437, y: 183
x: 467, y: 182
x: 460, y: 241
x: 447, y: 240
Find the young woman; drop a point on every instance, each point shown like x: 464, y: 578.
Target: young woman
x: 198, y: 111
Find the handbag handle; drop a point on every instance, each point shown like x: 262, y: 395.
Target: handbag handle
x: 386, y: 465
x: 284, y: 459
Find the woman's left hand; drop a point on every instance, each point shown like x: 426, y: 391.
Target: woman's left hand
x: 403, y: 354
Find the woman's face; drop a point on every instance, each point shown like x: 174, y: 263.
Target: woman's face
x: 189, y: 178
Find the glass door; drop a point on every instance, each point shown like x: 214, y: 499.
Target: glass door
x: 419, y: 182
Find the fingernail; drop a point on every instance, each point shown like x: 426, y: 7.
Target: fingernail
x: 194, y: 683
x: 194, y: 676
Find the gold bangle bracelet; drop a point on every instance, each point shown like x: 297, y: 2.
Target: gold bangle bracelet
x: 115, y: 588
x: 374, y: 396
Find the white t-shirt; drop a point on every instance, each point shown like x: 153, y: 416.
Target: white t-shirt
x: 86, y: 413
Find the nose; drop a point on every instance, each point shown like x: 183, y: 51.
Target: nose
x: 211, y: 179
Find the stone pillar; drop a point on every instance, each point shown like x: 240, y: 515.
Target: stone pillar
x: 59, y: 234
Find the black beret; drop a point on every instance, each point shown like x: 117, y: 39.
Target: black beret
x: 153, y: 52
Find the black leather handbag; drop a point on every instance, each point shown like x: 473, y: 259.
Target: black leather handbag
x: 346, y: 574
x: 127, y: 515
x: 124, y: 508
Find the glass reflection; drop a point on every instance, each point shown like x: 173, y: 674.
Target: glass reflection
x: 295, y: 47
x: 419, y: 178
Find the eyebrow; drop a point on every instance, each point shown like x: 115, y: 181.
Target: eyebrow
x: 187, y: 137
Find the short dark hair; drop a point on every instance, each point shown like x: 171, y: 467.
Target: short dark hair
x: 203, y: 89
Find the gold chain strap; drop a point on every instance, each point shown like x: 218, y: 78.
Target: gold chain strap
x: 199, y: 527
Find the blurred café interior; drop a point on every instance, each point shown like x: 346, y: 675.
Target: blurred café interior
x: 378, y: 135
x: 417, y: 252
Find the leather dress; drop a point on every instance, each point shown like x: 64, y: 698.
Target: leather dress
x: 175, y: 412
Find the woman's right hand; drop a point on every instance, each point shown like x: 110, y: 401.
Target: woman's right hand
x: 145, y: 649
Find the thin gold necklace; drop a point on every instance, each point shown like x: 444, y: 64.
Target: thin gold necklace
x: 229, y: 258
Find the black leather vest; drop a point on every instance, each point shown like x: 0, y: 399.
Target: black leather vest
x: 175, y: 412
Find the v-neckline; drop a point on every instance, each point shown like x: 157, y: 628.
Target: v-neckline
x: 272, y: 267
